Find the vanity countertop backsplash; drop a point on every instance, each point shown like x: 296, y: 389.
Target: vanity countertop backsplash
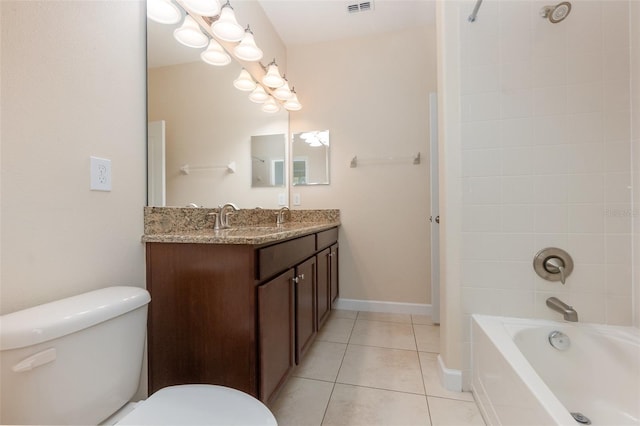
x: 246, y: 226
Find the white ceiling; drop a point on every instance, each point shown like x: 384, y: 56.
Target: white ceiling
x: 305, y: 22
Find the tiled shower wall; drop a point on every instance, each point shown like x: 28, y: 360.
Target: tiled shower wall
x: 546, y: 158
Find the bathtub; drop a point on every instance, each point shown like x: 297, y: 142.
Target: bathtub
x: 519, y: 378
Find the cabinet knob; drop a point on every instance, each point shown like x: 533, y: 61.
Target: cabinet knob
x: 295, y: 280
x: 301, y: 276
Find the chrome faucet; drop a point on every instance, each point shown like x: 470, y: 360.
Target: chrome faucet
x: 224, y: 214
x: 280, y: 215
x: 567, y: 311
x: 555, y: 265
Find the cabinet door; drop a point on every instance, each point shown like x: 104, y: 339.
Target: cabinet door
x: 333, y: 268
x: 276, y: 328
x: 324, y: 286
x: 305, y: 306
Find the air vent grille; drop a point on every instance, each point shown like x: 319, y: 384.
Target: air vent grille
x: 360, y: 7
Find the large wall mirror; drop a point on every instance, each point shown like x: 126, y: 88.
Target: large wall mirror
x: 209, y: 124
x: 310, y: 158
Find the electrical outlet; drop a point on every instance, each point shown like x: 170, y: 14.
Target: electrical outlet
x: 100, y: 174
x: 296, y: 199
x: 282, y: 199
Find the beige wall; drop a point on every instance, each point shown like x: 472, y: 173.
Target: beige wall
x: 373, y: 98
x: 73, y: 86
x: 634, y: 20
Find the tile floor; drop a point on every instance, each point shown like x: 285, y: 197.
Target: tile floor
x: 368, y: 368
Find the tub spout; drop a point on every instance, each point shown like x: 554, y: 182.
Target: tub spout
x: 567, y: 311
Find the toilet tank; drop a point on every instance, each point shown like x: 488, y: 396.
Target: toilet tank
x: 72, y: 361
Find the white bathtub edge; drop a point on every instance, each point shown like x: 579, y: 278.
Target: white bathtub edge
x: 450, y: 378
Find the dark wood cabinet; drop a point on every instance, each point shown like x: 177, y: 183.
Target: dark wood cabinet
x: 233, y: 314
x: 333, y: 273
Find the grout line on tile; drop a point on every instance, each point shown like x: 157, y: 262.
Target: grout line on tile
x: 382, y: 347
x: 419, y: 362
x: 384, y: 389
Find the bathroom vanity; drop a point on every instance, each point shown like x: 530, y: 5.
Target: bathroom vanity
x: 238, y: 307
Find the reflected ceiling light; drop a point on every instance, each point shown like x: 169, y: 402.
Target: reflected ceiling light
x: 203, y: 7
x: 292, y: 104
x: 244, y: 81
x: 270, y: 106
x: 189, y: 34
x: 163, y: 11
x: 215, y: 54
x: 259, y: 95
x: 316, y: 138
x: 283, y: 92
x: 227, y: 27
x: 272, y: 77
x: 247, y: 50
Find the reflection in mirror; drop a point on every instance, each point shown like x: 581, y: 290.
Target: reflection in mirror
x: 268, y: 160
x: 310, y: 158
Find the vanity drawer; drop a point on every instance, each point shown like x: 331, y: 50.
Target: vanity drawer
x: 279, y: 257
x: 326, y: 238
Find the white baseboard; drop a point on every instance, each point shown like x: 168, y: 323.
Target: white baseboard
x: 378, y: 306
x: 451, y: 379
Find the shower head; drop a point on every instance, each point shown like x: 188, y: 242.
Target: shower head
x: 556, y: 13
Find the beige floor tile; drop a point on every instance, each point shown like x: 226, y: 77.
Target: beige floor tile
x: 383, y: 334
x: 336, y: 330
x: 429, y: 364
x: 427, y: 337
x: 302, y: 402
x: 385, y: 316
x: 383, y: 368
x: 322, y: 362
x: 342, y: 313
x: 354, y: 405
x: 422, y: 319
x: 449, y: 412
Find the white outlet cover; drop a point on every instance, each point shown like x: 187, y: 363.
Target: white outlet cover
x: 296, y: 199
x: 100, y: 174
x: 282, y: 199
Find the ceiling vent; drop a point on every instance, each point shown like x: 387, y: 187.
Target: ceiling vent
x: 360, y: 7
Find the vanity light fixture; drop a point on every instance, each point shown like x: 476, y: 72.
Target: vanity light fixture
x: 283, y: 92
x: 215, y: 54
x: 292, y: 104
x: 163, y: 11
x: 244, y: 81
x: 272, y: 78
x: 226, y: 27
x: 203, y: 7
x: 247, y: 50
x: 270, y: 106
x: 189, y: 34
x: 259, y: 95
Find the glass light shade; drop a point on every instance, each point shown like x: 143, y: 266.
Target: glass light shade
x: 293, y: 104
x: 215, y: 54
x: 270, y: 106
x: 283, y: 92
x: 189, y: 34
x: 226, y: 27
x: 259, y: 95
x: 247, y: 49
x: 203, y: 7
x: 163, y: 11
x: 272, y: 78
x: 244, y: 81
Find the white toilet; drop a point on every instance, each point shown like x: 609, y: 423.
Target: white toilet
x: 78, y: 361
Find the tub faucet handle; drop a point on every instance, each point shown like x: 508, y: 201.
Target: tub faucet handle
x: 555, y: 265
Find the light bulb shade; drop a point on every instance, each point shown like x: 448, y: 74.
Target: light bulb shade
x: 226, y: 27
x: 283, y: 92
x: 293, y: 104
x: 203, y: 7
x: 189, y: 34
x: 270, y: 106
x: 163, y: 11
x: 272, y: 78
x: 244, y: 81
x: 259, y: 95
x: 215, y: 54
x: 247, y: 49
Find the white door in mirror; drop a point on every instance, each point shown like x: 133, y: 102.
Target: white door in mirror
x: 100, y: 174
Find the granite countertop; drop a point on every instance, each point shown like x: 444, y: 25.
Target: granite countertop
x: 255, y: 227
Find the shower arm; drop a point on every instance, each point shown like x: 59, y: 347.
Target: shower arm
x: 474, y: 14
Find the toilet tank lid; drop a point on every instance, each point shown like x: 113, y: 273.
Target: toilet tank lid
x: 61, y: 317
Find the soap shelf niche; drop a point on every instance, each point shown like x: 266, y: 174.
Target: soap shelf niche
x: 414, y: 159
x: 187, y: 169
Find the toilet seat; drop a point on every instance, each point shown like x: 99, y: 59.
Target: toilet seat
x: 199, y: 405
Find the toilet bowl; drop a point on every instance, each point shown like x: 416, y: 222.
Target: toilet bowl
x: 199, y: 405
x: 78, y: 361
